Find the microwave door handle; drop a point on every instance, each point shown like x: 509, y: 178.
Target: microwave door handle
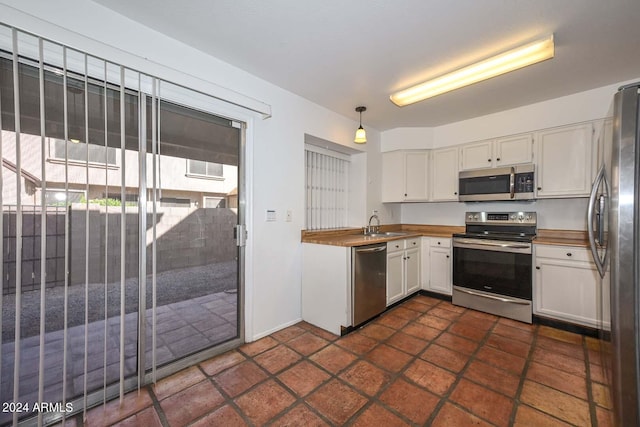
x: 512, y: 183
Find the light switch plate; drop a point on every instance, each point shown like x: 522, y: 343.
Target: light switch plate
x: 271, y: 215
x: 289, y: 216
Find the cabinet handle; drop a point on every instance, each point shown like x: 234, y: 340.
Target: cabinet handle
x: 537, y: 268
x: 408, y: 257
x: 498, y: 159
x: 539, y: 188
x: 488, y: 160
x: 569, y: 253
x: 405, y: 194
x: 455, y: 193
x: 438, y: 242
x: 447, y: 256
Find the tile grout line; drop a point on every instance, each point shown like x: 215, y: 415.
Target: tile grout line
x: 394, y: 376
x: 459, y: 375
x: 156, y: 405
x: 523, y: 375
x: 592, y: 404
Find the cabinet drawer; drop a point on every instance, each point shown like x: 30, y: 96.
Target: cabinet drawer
x: 395, y: 245
x: 412, y: 243
x: 440, y: 243
x: 563, y: 252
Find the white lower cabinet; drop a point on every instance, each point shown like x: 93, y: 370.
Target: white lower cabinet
x: 436, y: 265
x: 403, y: 268
x: 568, y: 287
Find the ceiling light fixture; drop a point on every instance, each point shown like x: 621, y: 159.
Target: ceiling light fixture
x: 361, y: 135
x: 514, y: 59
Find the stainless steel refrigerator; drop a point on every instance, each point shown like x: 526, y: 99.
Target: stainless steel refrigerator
x: 613, y: 219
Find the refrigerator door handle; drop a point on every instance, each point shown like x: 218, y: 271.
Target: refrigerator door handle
x: 600, y: 263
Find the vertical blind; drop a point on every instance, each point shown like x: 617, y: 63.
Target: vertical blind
x: 72, y: 351
x: 327, y: 177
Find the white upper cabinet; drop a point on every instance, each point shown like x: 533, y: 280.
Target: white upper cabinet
x: 416, y: 169
x: 405, y: 176
x: 513, y: 150
x: 476, y: 155
x: 565, y: 161
x: 506, y: 151
x: 444, y: 174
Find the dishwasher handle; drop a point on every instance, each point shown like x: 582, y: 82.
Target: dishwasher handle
x: 370, y: 250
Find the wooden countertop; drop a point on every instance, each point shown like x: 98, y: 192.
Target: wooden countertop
x: 562, y: 238
x: 354, y: 237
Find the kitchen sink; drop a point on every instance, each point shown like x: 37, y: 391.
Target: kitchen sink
x: 386, y: 234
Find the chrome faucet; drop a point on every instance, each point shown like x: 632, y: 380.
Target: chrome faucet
x: 373, y: 229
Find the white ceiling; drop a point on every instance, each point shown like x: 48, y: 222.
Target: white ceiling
x: 345, y: 53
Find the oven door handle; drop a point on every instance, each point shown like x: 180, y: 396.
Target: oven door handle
x: 493, y: 297
x: 461, y: 244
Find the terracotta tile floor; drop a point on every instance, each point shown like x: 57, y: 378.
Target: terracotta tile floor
x: 425, y: 362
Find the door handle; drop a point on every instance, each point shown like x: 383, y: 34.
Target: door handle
x: 512, y: 183
x: 493, y: 297
x: 370, y: 250
x: 599, y: 262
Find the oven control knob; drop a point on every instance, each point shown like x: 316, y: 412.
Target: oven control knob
x: 470, y: 217
x: 475, y: 217
x: 513, y: 217
x: 520, y: 218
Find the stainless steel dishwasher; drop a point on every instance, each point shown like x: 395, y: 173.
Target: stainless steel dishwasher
x: 368, y: 282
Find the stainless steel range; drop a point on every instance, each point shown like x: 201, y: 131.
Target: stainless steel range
x: 493, y: 262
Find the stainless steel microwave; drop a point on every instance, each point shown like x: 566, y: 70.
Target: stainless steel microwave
x: 506, y: 183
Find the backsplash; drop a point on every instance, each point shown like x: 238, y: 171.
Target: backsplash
x: 564, y: 214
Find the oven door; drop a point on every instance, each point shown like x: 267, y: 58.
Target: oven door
x: 497, y: 267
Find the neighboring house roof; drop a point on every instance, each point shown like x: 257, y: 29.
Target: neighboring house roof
x: 26, y: 175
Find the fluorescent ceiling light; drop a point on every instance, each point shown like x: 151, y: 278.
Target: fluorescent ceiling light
x: 500, y: 64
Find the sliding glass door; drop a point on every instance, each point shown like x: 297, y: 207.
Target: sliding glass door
x: 119, y: 210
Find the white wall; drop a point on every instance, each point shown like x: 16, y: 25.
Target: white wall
x: 275, y: 146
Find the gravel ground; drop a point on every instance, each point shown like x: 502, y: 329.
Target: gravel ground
x: 172, y: 286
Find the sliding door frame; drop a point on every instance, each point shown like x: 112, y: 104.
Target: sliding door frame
x: 243, y: 119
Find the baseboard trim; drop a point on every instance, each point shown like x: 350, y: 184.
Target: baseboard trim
x: 436, y: 295
x: 567, y: 326
x: 272, y: 330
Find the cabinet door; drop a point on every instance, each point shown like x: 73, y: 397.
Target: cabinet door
x: 412, y: 270
x: 416, y: 176
x: 564, y: 161
x: 444, y: 174
x: 392, y: 176
x: 513, y: 150
x: 440, y: 270
x: 395, y: 276
x: 567, y: 290
x: 477, y: 155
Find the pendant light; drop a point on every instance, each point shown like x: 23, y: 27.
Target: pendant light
x: 361, y: 135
